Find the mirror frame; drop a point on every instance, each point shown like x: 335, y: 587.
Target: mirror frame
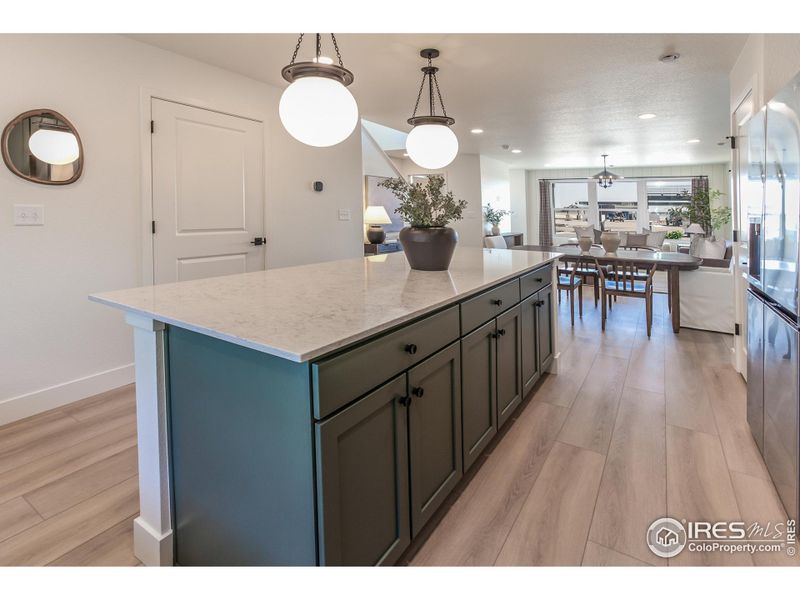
x: 35, y: 113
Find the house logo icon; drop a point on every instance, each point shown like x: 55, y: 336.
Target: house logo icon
x: 666, y: 537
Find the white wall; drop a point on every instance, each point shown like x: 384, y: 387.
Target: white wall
x: 464, y: 180
x: 518, y: 190
x: 718, y: 178
x: 766, y: 63
x: 496, y: 187
x: 56, y: 346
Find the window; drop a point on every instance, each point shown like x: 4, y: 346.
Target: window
x: 571, y: 206
x: 665, y: 198
x: 617, y: 206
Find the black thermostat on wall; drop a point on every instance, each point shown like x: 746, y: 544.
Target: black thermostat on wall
x: 317, y: 186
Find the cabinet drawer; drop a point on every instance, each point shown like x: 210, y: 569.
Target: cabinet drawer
x: 343, y: 378
x: 483, y: 307
x: 536, y: 280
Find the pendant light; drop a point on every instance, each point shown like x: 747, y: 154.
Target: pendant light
x: 317, y: 108
x: 605, y: 178
x: 431, y: 144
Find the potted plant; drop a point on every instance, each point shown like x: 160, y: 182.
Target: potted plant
x: 674, y: 235
x: 720, y: 216
x: 427, y: 242
x: 493, y: 216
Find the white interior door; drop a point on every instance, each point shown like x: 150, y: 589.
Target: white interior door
x: 208, y: 193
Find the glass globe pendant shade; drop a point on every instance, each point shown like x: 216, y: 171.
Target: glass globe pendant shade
x: 432, y: 146
x: 318, y: 111
x: 54, y: 147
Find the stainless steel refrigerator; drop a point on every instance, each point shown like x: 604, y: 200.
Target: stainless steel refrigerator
x: 770, y: 186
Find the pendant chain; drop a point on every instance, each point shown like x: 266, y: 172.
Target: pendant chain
x: 318, y: 49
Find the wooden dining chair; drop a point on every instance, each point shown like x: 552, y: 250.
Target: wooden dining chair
x: 623, y: 279
x: 569, y: 283
x: 586, y: 271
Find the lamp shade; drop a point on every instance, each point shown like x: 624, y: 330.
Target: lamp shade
x: 432, y: 146
x: 695, y: 228
x: 376, y: 215
x: 318, y: 111
x: 54, y: 146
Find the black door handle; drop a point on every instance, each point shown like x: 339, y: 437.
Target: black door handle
x: 411, y: 348
x: 418, y: 392
x: 497, y: 302
x: 539, y: 280
x: 405, y: 400
x: 501, y: 332
x: 259, y: 241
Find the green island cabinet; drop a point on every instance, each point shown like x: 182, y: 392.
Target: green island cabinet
x: 342, y: 461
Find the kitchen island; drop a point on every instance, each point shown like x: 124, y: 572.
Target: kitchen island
x: 321, y: 414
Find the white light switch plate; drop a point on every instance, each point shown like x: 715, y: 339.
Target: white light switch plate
x: 344, y: 214
x: 28, y: 214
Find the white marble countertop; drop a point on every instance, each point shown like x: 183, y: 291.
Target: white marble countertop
x: 301, y: 313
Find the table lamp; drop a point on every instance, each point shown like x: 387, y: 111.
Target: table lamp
x: 375, y: 216
x: 695, y: 228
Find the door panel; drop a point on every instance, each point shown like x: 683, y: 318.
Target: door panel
x: 362, y: 454
x: 509, y: 365
x: 781, y: 407
x: 544, y: 327
x: 434, y: 432
x: 479, y: 392
x: 529, y: 342
x: 755, y: 368
x: 208, y: 193
x: 782, y: 197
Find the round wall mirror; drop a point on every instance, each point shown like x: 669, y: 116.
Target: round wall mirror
x: 43, y: 146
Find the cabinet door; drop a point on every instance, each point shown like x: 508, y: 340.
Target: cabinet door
x: 434, y: 430
x: 529, y: 342
x: 362, y: 458
x: 544, y: 327
x: 479, y: 391
x: 509, y: 364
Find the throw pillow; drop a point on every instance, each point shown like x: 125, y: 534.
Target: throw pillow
x: 709, y: 249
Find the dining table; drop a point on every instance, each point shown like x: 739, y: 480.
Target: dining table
x: 671, y: 262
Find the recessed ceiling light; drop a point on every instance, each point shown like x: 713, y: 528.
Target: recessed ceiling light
x: 476, y: 130
x: 693, y: 141
x: 405, y: 153
x: 516, y: 151
x: 548, y: 165
x: 647, y: 116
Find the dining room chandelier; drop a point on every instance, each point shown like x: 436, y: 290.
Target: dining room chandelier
x: 431, y: 144
x: 605, y: 178
x: 317, y: 108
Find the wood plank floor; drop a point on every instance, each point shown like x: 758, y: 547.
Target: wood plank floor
x: 631, y: 430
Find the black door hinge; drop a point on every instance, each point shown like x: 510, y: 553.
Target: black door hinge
x: 735, y: 235
x: 152, y: 126
x: 153, y: 226
x: 736, y: 330
x: 732, y: 138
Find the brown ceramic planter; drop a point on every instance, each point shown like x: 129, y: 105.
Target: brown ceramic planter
x: 428, y: 248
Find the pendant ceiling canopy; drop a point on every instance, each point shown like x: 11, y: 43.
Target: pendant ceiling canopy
x: 431, y: 144
x: 317, y: 108
x: 605, y: 178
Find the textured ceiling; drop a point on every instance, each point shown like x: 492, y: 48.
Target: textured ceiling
x: 563, y: 99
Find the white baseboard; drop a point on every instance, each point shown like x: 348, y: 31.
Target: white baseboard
x: 26, y: 405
